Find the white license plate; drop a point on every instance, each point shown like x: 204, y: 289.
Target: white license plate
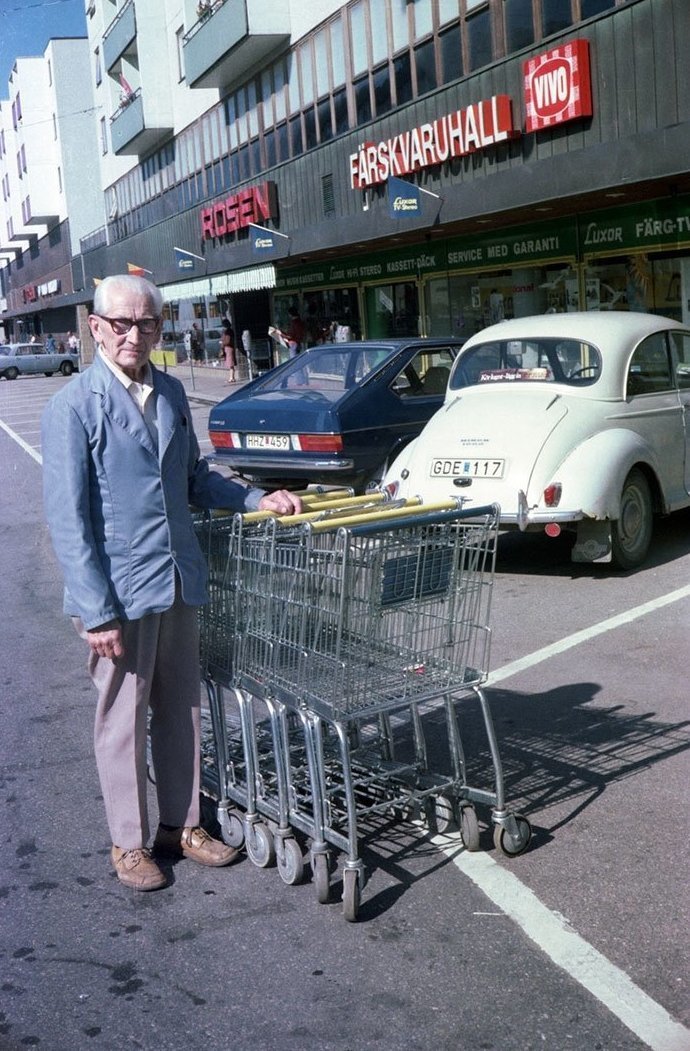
x: 267, y: 441
x: 466, y: 468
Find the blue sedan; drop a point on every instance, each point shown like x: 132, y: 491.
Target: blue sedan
x: 336, y: 414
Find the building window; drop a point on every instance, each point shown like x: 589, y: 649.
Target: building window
x: 519, y: 24
x: 479, y: 39
x: 556, y: 15
x: 451, y: 55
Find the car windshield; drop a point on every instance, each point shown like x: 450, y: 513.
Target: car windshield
x: 4, y: 349
x: 330, y: 371
x: 569, y: 361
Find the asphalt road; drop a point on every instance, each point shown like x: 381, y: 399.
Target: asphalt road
x: 580, y: 943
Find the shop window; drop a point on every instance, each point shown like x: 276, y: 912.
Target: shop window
x: 362, y: 100
x: 479, y: 39
x: 382, y: 90
x: 392, y: 310
x: 425, y: 67
x: 519, y: 24
x: 681, y: 348
x: 451, y: 55
x: 589, y: 8
x: 556, y: 15
x: 402, y: 74
x: 310, y: 128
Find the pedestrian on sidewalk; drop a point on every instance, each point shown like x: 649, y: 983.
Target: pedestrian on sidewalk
x: 121, y: 465
x: 227, y: 343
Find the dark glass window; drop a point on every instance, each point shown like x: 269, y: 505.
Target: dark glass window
x: 425, y: 64
x: 243, y: 159
x: 519, y: 24
x: 296, y: 147
x: 255, y: 156
x: 403, y: 78
x: 342, y: 122
x: 362, y: 100
x: 479, y: 39
x: 451, y: 55
x: 382, y: 90
x: 282, y: 147
x: 595, y: 7
x: 270, y: 146
x: 325, y: 123
x: 310, y: 128
x: 555, y: 16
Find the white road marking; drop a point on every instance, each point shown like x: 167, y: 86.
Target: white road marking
x: 20, y: 441
x: 647, y: 1019
x: 578, y: 637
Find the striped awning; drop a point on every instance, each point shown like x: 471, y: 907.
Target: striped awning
x: 250, y: 280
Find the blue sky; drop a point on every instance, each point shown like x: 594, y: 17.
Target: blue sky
x: 26, y: 26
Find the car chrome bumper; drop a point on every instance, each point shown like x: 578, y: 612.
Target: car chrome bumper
x: 530, y: 516
x: 277, y: 464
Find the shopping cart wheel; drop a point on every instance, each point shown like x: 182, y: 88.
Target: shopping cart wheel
x: 321, y: 876
x: 289, y: 860
x: 351, y: 894
x: 512, y: 845
x: 469, y: 827
x: 259, y: 844
x: 440, y: 813
x: 231, y: 827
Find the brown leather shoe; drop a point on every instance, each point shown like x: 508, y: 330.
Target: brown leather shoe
x: 137, y: 869
x: 194, y: 843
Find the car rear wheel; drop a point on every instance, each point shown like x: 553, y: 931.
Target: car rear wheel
x: 631, y: 533
x: 67, y: 368
x: 11, y: 374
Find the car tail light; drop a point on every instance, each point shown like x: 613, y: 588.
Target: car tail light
x: 392, y: 489
x: 320, y: 443
x: 552, y: 494
x: 223, y: 440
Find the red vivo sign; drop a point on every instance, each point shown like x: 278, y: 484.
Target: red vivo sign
x: 557, y: 86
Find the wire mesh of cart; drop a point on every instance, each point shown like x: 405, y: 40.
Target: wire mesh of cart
x: 352, y: 626
x: 243, y: 768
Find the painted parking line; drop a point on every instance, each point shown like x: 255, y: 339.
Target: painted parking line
x: 20, y: 441
x: 647, y: 1019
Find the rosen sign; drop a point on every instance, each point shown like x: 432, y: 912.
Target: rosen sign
x: 252, y: 205
x: 557, y: 86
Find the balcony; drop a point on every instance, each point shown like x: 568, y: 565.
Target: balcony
x: 233, y: 38
x: 130, y: 133
x: 120, y: 35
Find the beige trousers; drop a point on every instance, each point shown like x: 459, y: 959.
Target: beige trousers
x: 160, y: 671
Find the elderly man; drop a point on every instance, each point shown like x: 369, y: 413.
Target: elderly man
x: 121, y: 467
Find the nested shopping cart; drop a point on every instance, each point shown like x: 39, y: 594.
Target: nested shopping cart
x: 349, y: 625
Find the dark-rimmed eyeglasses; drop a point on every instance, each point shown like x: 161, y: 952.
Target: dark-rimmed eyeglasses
x: 122, y: 325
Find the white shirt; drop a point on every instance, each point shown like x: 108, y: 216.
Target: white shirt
x: 139, y: 392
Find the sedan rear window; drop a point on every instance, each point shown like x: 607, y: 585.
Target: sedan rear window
x: 326, y: 371
x: 567, y: 361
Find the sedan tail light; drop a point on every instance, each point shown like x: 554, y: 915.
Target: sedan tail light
x: 224, y: 440
x: 320, y: 443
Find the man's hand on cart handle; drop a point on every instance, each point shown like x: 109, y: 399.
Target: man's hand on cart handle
x: 281, y: 502
x: 106, y: 640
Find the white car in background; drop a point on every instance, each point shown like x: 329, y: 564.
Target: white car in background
x: 569, y: 421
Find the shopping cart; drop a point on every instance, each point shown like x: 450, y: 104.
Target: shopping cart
x: 348, y: 628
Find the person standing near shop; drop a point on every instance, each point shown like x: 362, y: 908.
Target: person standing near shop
x: 227, y: 343
x: 296, y: 332
x: 121, y: 466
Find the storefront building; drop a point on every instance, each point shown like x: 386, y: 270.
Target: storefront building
x: 415, y: 168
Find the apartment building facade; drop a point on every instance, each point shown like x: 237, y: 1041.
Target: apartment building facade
x: 396, y: 167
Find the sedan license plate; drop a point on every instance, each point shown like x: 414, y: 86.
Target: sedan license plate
x: 267, y: 441
x: 462, y: 468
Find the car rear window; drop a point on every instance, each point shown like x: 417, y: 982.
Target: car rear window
x: 569, y: 361
x: 330, y: 372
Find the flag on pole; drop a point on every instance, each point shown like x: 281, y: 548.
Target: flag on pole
x: 138, y: 271
x: 124, y: 84
x: 185, y: 259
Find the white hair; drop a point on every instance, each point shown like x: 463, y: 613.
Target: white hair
x: 137, y: 286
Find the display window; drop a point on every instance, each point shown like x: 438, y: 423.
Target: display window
x: 392, y: 310
x: 656, y: 285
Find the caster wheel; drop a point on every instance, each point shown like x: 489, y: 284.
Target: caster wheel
x: 231, y: 827
x: 289, y: 860
x: 507, y: 844
x: 321, y: 876
x: 259, y: 844
x: 442, y: 816
x: 469, y: 828
x: 351, y: 894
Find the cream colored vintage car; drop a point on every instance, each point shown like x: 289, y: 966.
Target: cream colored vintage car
x: 569, y: 421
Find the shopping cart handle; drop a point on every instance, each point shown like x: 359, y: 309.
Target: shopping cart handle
x: 432, y: 517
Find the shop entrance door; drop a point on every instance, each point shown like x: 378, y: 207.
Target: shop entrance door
x: 392, y: 310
